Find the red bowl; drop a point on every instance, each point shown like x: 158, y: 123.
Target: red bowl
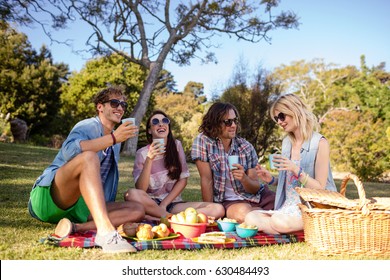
x: 189, y: 230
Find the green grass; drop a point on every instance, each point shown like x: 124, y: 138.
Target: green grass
x: 20, y: 165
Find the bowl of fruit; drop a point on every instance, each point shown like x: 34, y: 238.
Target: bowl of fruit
x: 227, y: 224
x: 189, y: 223
x: 243, y: 230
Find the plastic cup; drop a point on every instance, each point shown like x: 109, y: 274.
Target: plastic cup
x: 271, y: 163
x: 129, y: 120
x: 232, y: 160
x: 162, y: 143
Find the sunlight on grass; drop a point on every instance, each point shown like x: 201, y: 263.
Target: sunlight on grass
x: 20, y: 165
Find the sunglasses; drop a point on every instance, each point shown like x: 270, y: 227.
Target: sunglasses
x: 156, y: 121
x: 114, y: 103
x: 229, y: 122
x: 281, y: 116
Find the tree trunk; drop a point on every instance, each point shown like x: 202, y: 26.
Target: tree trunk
x: 130, y: 146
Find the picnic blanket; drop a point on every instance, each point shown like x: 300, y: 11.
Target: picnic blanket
x: 86, y: 240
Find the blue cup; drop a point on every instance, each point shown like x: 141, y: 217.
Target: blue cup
x: 271, y: 163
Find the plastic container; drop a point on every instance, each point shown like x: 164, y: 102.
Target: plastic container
x: 226, y: 226
x: 189, y: 230
x: 245, y: 232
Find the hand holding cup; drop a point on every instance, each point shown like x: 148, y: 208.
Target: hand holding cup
x: 232, y: 160
x: 159, y: 143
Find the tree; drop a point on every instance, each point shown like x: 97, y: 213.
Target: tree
x: 97, y: 74
x: 320, y: 85
x: 30, y: 82
x: 358, y: 142
x: 146, y: 32
x: 195, y: 90
x: 251, y: 102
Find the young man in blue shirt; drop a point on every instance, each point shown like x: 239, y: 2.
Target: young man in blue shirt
x: 78, y: 189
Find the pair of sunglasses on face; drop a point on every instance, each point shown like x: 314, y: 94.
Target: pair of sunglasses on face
x: 114, y: 103
x: 281, y: 116
x: 229, y: 122
x: 156, y: 121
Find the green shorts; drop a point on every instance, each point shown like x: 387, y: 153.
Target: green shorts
x: 42, y: 207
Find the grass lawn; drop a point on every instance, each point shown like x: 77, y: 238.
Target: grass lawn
x: 20, y: 165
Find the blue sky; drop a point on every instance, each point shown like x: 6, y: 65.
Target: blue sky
x: 337, y: 31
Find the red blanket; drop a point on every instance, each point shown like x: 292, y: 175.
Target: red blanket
x: 86, y: 240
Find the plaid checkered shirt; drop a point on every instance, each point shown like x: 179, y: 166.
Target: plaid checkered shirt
x: 211, y: 150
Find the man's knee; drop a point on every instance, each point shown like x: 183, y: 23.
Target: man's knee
x: 89, y: 158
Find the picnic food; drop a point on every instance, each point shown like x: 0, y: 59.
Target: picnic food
x: 129, y: 229
x: 212, y: 237
x: 160, y: 231
x: 243, y: 225
x: 227, y: 220
x: 144, y: 232
x: 202, y: 218
x: 189, y: 216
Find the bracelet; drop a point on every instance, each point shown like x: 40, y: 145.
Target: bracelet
x: 113, y: 138
x: 272, y: 181
x: 300, y: 172
x: 306, y: 179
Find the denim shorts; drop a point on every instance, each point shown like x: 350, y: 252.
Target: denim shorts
x: 170, y: 205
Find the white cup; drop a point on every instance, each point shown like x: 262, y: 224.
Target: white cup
x: 129, y: 120
x: 161, y: 141
x: 232, y: 160
x: 271, y: 163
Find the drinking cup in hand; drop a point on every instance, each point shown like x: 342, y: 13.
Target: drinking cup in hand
x: 271, y: 162
x: 129, y: 120
x: 232, y: 160
x: 161, y: 143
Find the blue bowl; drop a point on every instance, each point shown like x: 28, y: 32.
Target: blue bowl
x: 245, y: 232
x: 226, y: 226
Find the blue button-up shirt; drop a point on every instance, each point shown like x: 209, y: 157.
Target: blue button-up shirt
x: 87, y: 129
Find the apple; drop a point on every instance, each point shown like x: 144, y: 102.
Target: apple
x: 191, y: 218
x: 190, y: 210
x: 181, y: 218
x: 174, y: 219
x: 202, y: 218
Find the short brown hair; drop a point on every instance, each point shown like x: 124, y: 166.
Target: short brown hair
x: 105, y: 94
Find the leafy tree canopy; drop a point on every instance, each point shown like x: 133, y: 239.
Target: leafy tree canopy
x: 147, y: 32
x: 29, y: 81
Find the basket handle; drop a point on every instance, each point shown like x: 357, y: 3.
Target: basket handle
x: 362, y: 194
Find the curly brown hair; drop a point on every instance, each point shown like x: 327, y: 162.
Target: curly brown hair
x: 212, y: 122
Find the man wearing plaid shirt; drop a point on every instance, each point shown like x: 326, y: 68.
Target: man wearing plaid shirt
x: 237, y: 189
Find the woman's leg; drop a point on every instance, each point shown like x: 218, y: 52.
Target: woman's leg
x: 210, y: 209
x: 261, y: 220
x: 151, y: 207
x: 285, y: 223
x: 275, y: 224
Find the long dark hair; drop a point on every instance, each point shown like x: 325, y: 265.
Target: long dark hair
x: 212, y: 122
x: 171, y: 158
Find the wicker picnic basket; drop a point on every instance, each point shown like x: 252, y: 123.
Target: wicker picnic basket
x: 336, y: 225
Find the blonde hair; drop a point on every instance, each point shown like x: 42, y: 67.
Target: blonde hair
x: 292, y: 105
